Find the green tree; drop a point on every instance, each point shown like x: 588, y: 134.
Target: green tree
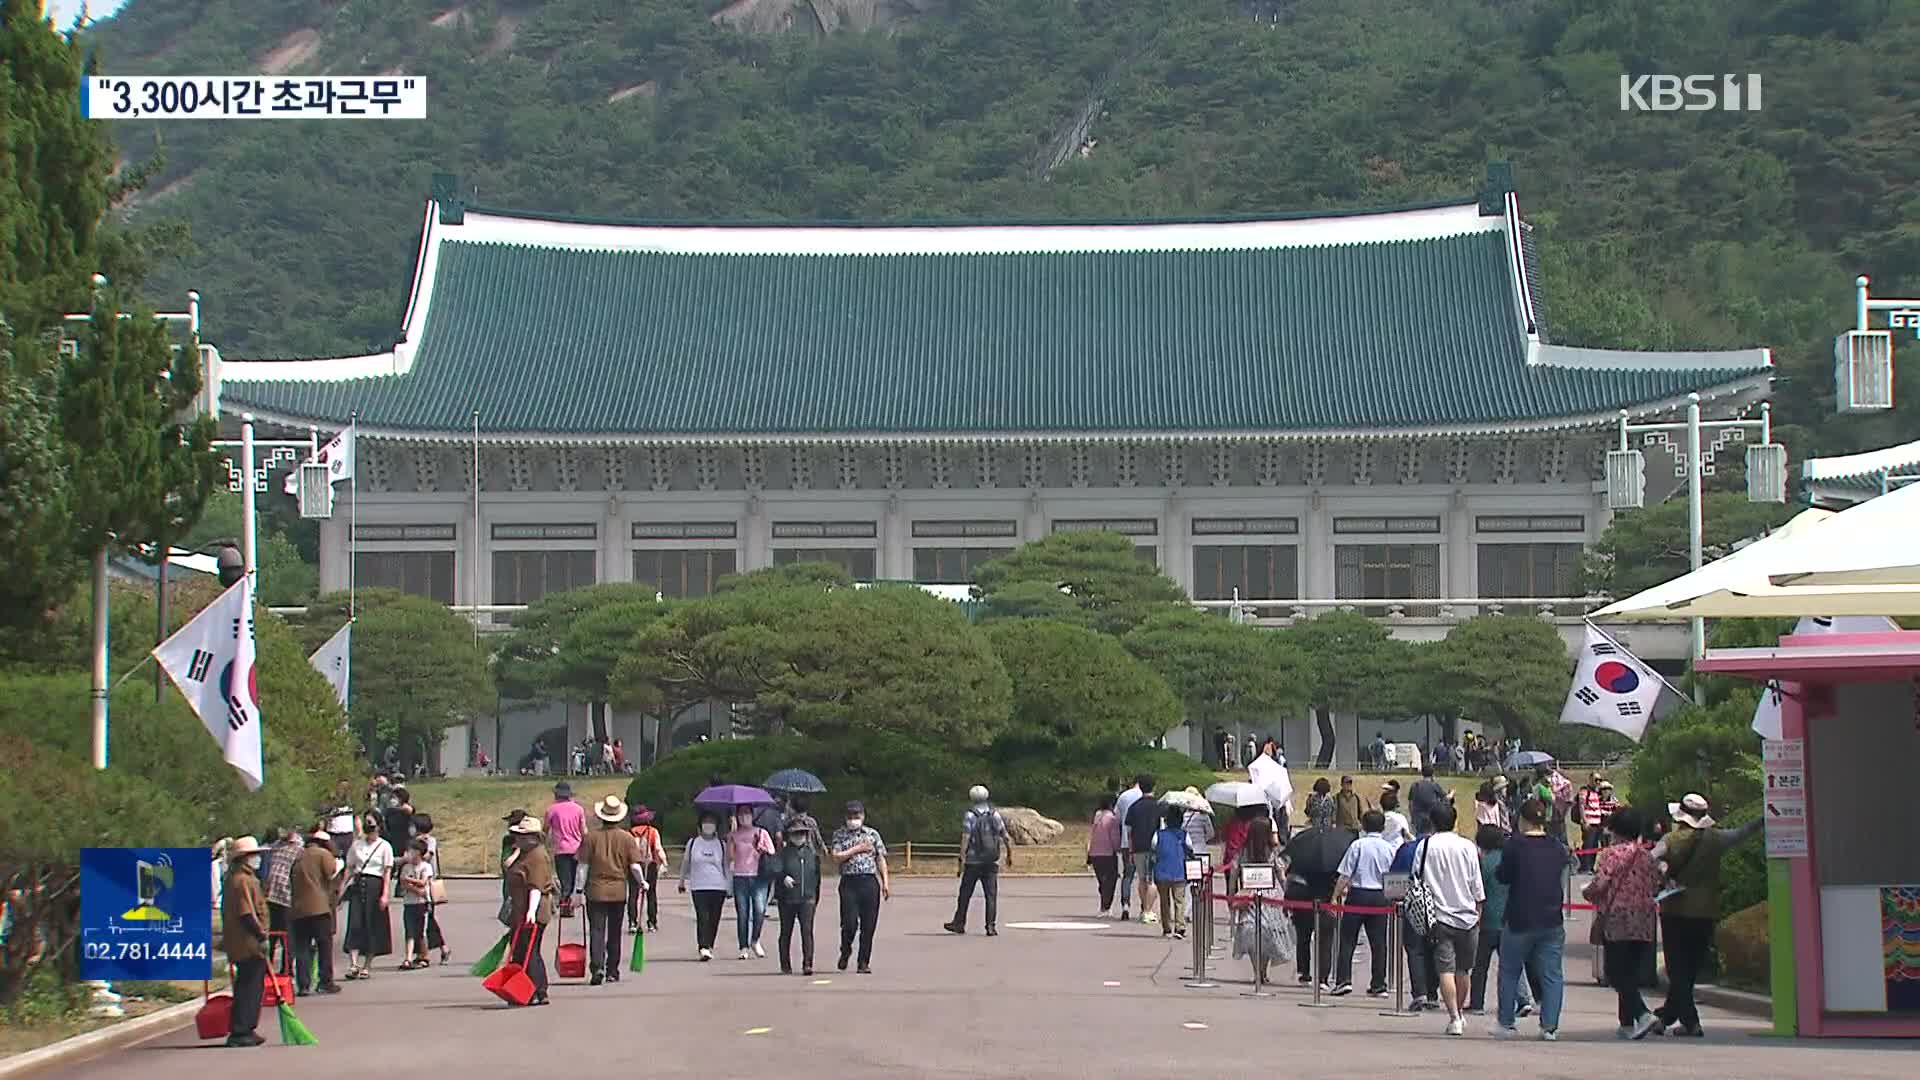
x: 1092, y: 579
x: 1078, y: 690
x: 1347, y: 654
x: 1224, y: 674
x: 528, y: 663
x: 284, y: 579
x: 1510, y: 670
x: 1643, y: 548
x: 33, y: 489
x: 416, y: 669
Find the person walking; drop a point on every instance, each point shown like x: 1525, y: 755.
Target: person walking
x: 340, y: 818
x: 1490, y: 808
x: 1143, y: 826
x: 1398, y: 829
x: 862, y: 856
x: 1692, y: 853
x: 369, y: 874
x: 1422, y: 981
x: 1625, y: 879
x: 314, y: 896
x: 1103, y: 852
x: 416, y: 896
x: 1307, y: 883
x: 653, y: 856
x: 1320, y: 809
x: 566, y: 823
x: 1198, y: 825
x: 1142, y: 785
x: 530, y: 888
x: 1425, y: 794
x: 983, y: 842
x: 797, y: 888
x: 704, y: 871
x: 1362, y: 882
x: 613, y: 861
x: 747, y: 845
x: 1267, y: 938
x: 1593, y: 832
x: 1534, y: 939
x: 1491, y: 839
x: 243, y: 934
x: 1450, y: 869
x: 279, y: 882
x: 1348, y: 807
x: 1171, y: 850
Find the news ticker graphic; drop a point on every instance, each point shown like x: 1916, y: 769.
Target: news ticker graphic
x: 253, y: 97
x: 146, y: 913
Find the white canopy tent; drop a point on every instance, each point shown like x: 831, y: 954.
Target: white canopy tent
x: 1874, y: 544
x: 1739, y: 585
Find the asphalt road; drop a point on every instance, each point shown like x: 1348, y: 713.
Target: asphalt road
x: 1032, y: 1004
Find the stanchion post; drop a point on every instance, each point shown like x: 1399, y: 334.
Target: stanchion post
x: 1200, y: 888
x: 1314, y: 963
x: 1397, y: 950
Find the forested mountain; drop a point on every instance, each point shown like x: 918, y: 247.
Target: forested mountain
x: 1689, y: 229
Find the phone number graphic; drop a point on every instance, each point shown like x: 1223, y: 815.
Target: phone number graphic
x: 144, y: 950
x: 252, y: 97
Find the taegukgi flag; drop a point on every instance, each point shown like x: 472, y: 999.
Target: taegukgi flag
x: 1612, y: 689
x: 331, y: 661
x: 337, y: 456
x: 1766, y: 715
x: 211, y: 660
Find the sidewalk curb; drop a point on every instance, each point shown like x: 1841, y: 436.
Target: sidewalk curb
x: 94, y: 1043
x: 1735, y: 1001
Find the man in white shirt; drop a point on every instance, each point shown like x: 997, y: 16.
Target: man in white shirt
x: 1120, y: 807
x: 1362, y: 883
x: 1450, y: 867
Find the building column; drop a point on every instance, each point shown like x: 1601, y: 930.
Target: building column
x: 1175, y: 562
x: 894, y: 561
x: 1459, y: 580
x: 1316, y: 551
x: 756, y: 536
x: 615, y: 564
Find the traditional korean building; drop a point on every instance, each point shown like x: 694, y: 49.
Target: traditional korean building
x: 1849, y: 479
x: 1356, y: 406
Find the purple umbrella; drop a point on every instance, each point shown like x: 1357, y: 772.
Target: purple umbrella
x: 730, y: 795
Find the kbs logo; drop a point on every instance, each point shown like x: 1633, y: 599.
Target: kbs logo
x: 1690, y: 93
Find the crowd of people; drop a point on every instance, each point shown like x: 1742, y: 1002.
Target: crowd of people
x: 1499, y: 892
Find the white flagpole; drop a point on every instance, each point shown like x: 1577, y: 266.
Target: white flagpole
x: 1656, y: 674
x: 473, y: 564
x: 246, y: 493
x: 353, y: 510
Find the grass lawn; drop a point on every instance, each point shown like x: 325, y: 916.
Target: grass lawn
x: 139, y: 1000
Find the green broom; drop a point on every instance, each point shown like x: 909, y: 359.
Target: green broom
x: 292, y: 1031
x: 485, y: 966
x: 638, y: 961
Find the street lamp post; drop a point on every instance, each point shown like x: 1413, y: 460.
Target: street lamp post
x: 1863, y: 356
x: 1766, y: 475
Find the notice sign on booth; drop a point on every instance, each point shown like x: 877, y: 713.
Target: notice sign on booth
x: 1256, y: 876
x: 1784, y: 801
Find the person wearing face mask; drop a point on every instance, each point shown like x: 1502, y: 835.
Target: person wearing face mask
x: 862, y: 856
x: 369, y: 881
x: 706, y: 872
x: 243, y: 930
x: 747, y: 845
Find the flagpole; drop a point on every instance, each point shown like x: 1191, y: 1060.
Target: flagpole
x: 353, y: 510
x: 246, y: 493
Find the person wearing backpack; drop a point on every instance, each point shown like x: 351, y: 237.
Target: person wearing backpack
x: 983, y: 839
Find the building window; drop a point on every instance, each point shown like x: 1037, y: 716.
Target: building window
x: 1259, y: 571
x: 683, y: 573
x: 523, y: 577
x: 857, y: 562
x: 1386, y: 571
x: 419, y: 573
x: 1537, y: 570
x: 951, y: 566
x: 1147, y: 553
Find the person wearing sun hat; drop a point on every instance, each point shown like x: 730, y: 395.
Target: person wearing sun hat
x: 1692, y: 853
x: 530, y: 888
x: 614, y: 864
x: 243, y: 933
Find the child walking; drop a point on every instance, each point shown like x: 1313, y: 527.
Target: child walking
x: 1171, y: 850
x: 423, y: 830
x: 416, y: 884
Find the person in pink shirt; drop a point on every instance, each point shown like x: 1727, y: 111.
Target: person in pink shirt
x: 1103, y: 851
x: 566, y: 828
x: 747, y: 843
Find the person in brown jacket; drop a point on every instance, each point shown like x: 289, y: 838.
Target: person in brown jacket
x: 613, y: 860
x: 243, y: 931
x: 314, y: 895
x: 530, y: 888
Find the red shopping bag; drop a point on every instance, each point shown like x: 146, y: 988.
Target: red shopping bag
x: 510, y: 982
x: 571, y: 960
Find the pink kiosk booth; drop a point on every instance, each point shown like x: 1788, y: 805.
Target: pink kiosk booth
x: 1843, y: 865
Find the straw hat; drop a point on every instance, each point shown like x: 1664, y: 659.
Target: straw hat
x: 243, y: 847
x: 1692, y: 810
x: 526, y: 825
x: 612, y: 810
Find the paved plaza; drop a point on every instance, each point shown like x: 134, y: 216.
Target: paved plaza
x: 1031, y: 1004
